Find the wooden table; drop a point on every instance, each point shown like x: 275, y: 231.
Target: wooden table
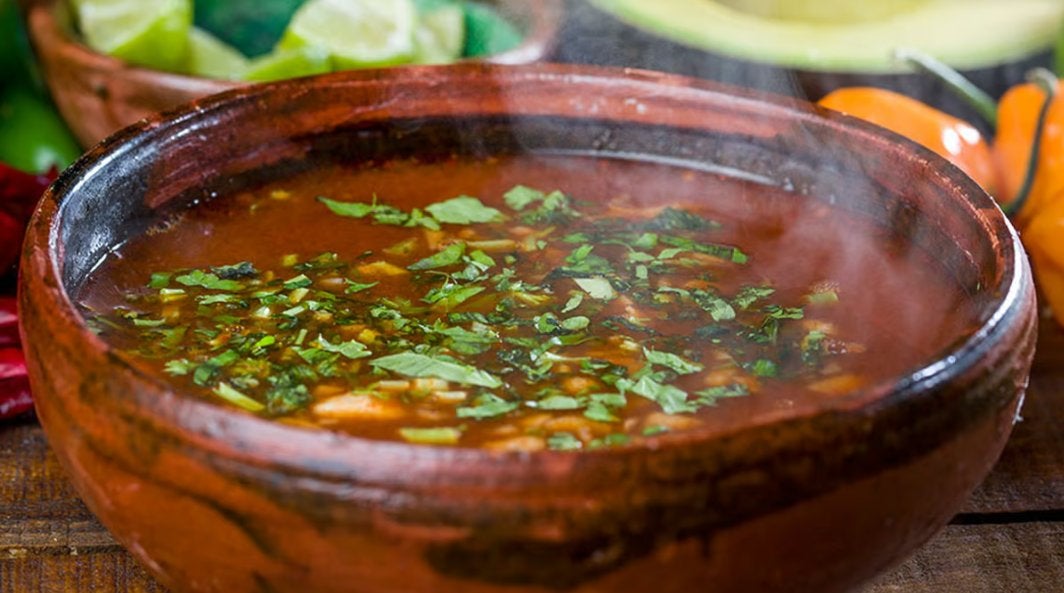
x: 1008, y: 539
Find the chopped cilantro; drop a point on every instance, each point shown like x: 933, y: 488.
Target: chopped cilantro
x: 178, y: 366
x: 463, y: 210
x: 717, y: 307
x: 300, y: 281
x: 208, y: 281
x: 160, y: 280
x: 672, y: 399
x: 348, y: 209
x: 674, y: 219
x: 573, y: 303
x: 448, y: 256
x: 450, y: 296
x: 616, y: 439
x: 671, y: 361
x: 237, y: 271
x: 599, y: 412
x: 355, y: 287
x: 763, y: 367
x: 231, y: 395
x: 597, y: 288
x: 748, y: 295
x: 352, y: 349
x: 709, y: 397
x: 486, y: 406
x: 521, y: 197
x: 564, y: 441
x: 413, y: 364
x: 559, y: 402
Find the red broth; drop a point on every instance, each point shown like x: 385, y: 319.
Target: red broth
x: 521, y: 302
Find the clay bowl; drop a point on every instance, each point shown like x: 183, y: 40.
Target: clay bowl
x: 97, y: 94
x: 210, y: 499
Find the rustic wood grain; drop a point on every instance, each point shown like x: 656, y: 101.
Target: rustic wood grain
x: 1009, y: 537
x: 1030, y: 474
x: 1018, y: 558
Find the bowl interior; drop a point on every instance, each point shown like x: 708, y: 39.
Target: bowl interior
x: 221, y: 144
x: 247, y: 136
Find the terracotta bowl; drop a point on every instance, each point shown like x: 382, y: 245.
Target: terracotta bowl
x: 97, y: 94
x: 213, y: 500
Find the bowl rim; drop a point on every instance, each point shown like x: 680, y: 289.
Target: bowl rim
x: 238, y: 435
x: 44, y: 27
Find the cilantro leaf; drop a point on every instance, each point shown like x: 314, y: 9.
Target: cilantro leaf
x: 348, y: 209
x: 597, y: 288
x: 209, y: 281
x: 674, y: 219
x: 717, y: 307
x: 236, y: 271
x: 463, y: 210
x: 598, y: 412
x: 709, y: 397
x: 159, y: 280
x: 450, y: 296
x: 353, y: 287
x: 564, y: 441
x: 748, y: 295
x: 231, y: 395
x: 352, y: 349
x: 559, y: 402
x: 447, y: 256
x: 413, y: 364
x: 672, y: 361
x: 672, y: 399
x: 520, y: 197
x: 763, y: 367
x: 487, y: 406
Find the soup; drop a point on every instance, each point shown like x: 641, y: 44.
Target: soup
x: 520, y: 302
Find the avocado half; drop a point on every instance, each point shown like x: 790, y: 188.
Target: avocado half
x: 848, y: 36
x: 808, y: 54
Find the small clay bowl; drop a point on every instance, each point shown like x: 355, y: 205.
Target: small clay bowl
x: 216, y: 500
x: 97, y: 94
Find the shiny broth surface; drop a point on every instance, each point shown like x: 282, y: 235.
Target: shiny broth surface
x: 526, y: 303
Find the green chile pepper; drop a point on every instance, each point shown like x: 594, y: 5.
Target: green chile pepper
x: 32, y: 136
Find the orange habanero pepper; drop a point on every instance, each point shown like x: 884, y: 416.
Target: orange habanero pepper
x: 1017, y: 119
x: 956, y: 140
x: 1044, y: 239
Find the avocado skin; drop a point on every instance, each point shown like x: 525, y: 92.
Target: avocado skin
x: 591, y: 36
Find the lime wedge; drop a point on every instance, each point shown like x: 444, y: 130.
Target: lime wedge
x: 355, y: 33
x: 487, y: 32
x: 152, y: 34
x: 253, y: 27
x: 288, y: 63
x: 440, y: 35
x: 211, y: 57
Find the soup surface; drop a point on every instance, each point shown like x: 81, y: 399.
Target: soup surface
x: 520, y: 303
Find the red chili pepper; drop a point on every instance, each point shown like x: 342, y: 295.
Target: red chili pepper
x: 19, y: 193
x: 14, y: 384
x: 8, y: 322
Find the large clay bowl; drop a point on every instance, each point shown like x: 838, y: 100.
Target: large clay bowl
x: 97, y: 94
x: 214, y: 500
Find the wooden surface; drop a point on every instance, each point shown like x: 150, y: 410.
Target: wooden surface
x: 1008, y: 539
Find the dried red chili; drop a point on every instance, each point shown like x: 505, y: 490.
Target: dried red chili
x: 14, y: 384
x: 8, y: 322
x: 19, y: 193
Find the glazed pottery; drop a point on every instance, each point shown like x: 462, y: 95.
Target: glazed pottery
x: 215, y: 500
x: 97, y: 94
